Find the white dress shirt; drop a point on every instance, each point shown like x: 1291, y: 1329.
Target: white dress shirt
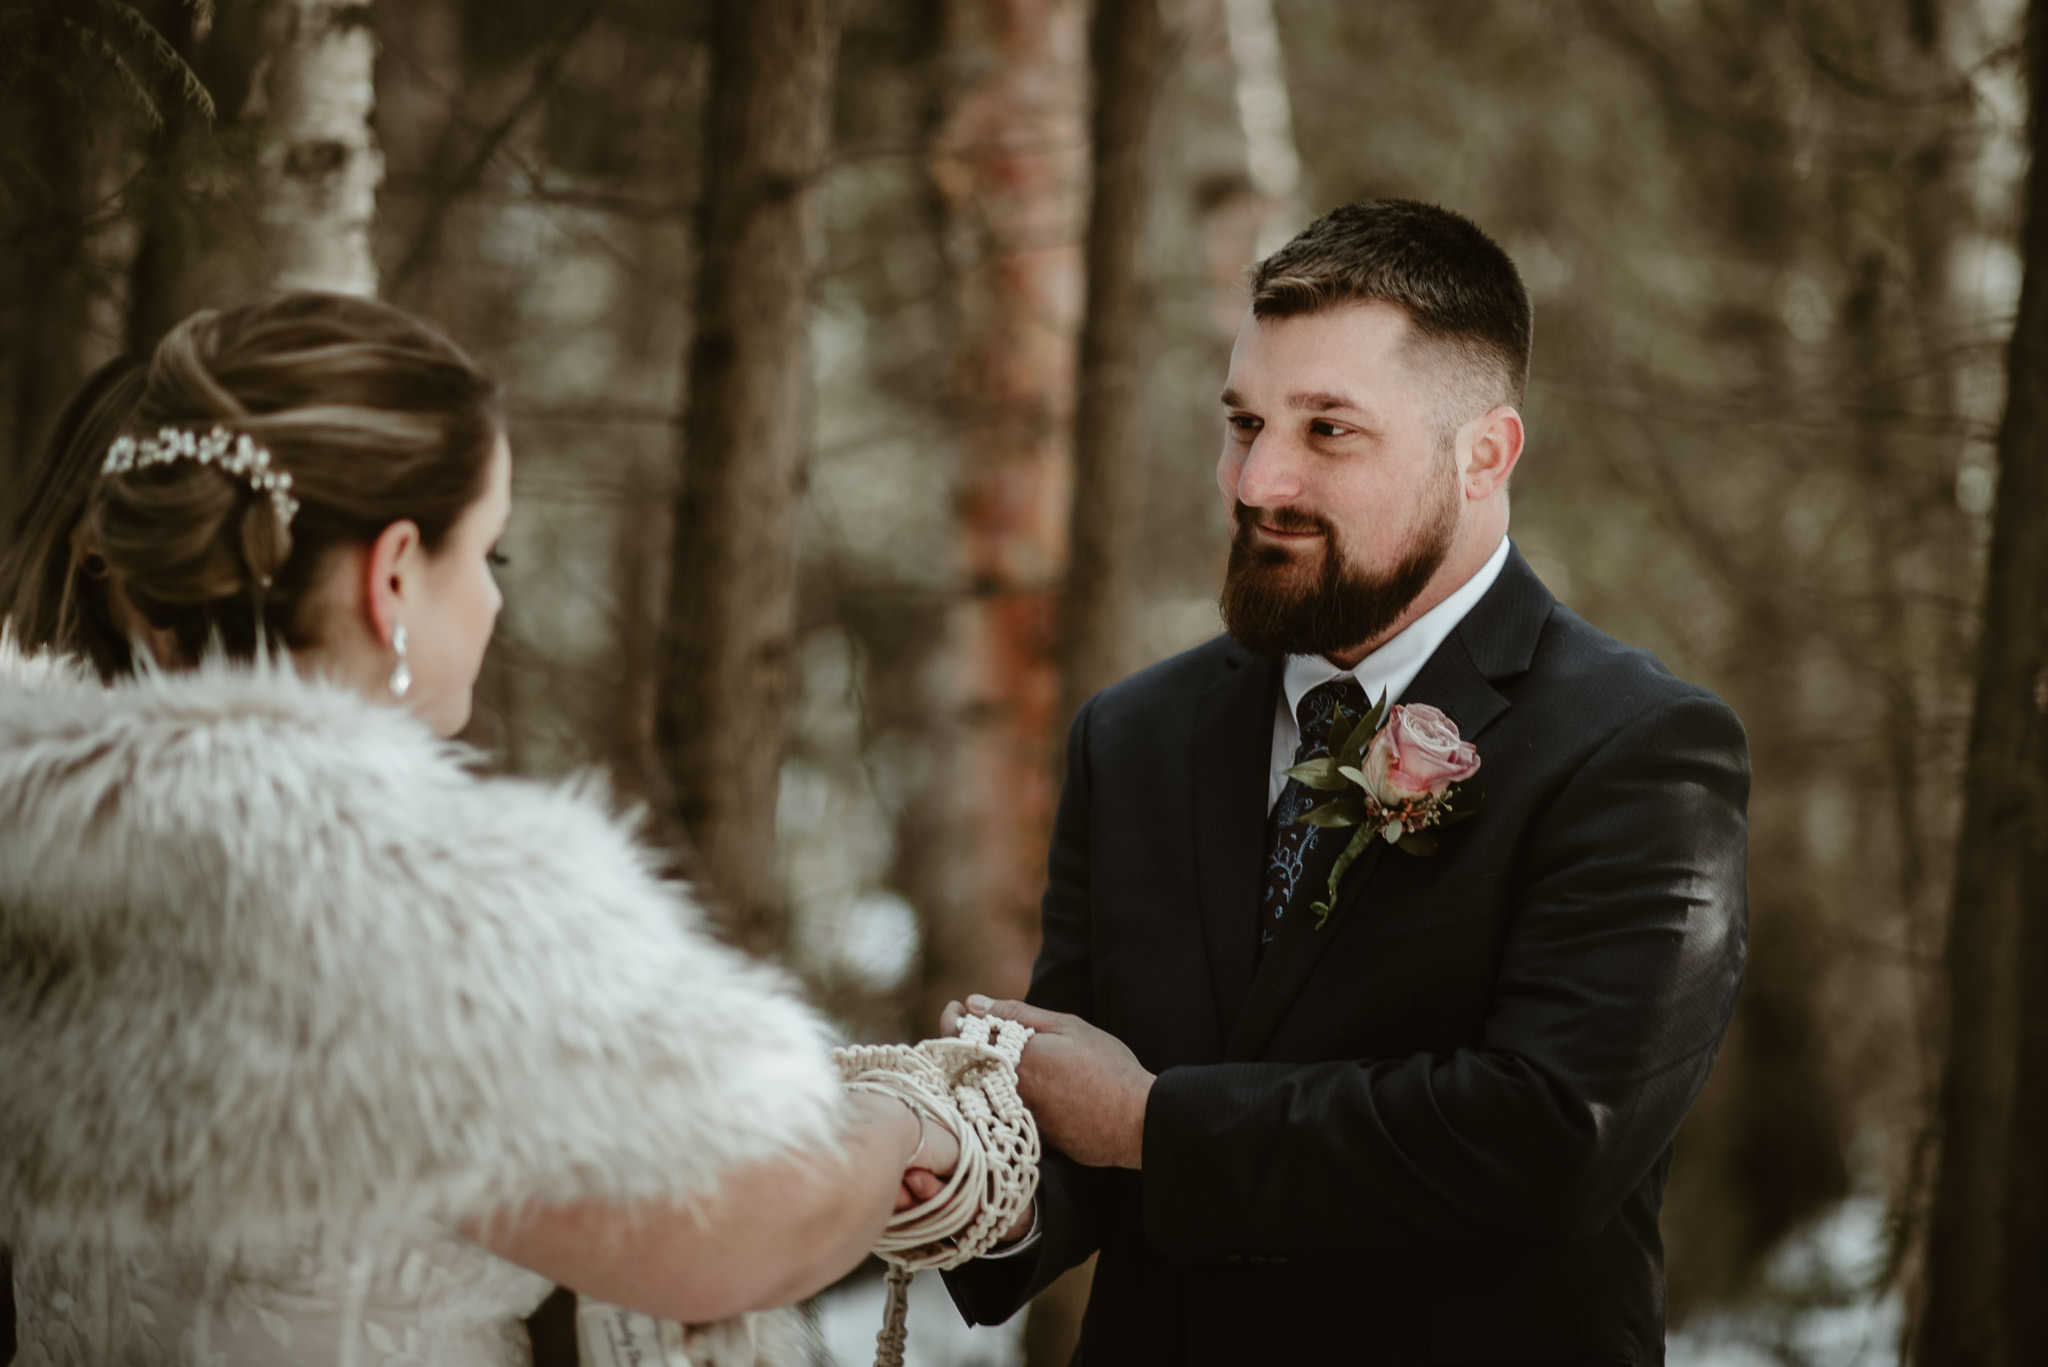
x: 1388, y: 670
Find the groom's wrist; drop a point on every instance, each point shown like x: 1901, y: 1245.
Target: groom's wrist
x: 1018, y: 1245
x: 1133, y: 1148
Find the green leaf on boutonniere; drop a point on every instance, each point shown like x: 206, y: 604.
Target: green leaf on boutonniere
x: 1417, y: 842
x: 1319, y: 774
x: 1345, y: 811
x: 1342, y: 728
x: 1351, y: 750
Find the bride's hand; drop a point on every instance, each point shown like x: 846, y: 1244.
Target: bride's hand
x: 934, y: 1163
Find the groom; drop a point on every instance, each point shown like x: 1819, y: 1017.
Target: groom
x: 1434, y: 1126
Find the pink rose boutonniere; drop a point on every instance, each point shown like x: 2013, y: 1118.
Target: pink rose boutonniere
x: 1398, y: 777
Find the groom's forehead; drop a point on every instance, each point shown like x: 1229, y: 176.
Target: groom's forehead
x: 1343, y: 338
x: 1315, y: 363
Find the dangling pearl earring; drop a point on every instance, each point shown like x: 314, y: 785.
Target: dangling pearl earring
x: 401, y: 673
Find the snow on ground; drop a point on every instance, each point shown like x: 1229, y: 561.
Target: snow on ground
x: 1817, y: 1308
x: 850, y: 1314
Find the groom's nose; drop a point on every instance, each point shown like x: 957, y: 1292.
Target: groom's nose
x: 1270, y: 476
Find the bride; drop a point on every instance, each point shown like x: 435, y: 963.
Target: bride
x: 317, y: 1046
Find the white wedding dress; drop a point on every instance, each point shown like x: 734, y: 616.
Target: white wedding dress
x: 435, y: 1300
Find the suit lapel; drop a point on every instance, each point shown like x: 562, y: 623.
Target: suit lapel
x: 1495, y: 641
x: 1231, y: 751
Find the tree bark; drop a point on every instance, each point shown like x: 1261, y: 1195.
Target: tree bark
x: 1919, y: 553
x: 1126, y: 51
x: 156, y: 280
x: 318, y: 166
x: 1009, y: 171
x: 1988, y: 1236
x: 63, y: 270
x: 730, y: 617
x: 1128, y: 64
x: 1265, y: 112
x: 44, y: 309
x: 194, y: 204
x: 279, y: 188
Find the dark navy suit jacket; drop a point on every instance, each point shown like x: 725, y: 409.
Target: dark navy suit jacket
x: 1436, y: 1130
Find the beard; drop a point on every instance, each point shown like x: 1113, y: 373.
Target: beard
x: 1275, y: 604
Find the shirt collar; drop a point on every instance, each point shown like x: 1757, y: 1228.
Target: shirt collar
x: 1390, y: 669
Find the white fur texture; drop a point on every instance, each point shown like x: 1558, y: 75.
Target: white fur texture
x: 273, y: 958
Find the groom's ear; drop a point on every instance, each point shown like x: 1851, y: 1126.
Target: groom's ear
x: 1489, y: 448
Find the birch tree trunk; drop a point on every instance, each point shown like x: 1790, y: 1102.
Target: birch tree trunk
x: 317, y: 162
x: 730, y: 618
x: 280, y: 188
x: 1126, y: 52
x: 1265, y: 110
x: 1988, y: 1236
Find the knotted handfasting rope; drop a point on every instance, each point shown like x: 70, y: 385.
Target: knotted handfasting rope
x: 969, y: 1085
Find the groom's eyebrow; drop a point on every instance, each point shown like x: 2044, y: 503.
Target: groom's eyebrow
x: 1322, y: 401
x: 1313, y: 401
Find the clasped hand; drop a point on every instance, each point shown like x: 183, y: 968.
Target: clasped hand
x: 929, y: 1165
x: 1084, y: 1086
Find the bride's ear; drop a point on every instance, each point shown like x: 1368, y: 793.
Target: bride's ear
x: 393, y: 576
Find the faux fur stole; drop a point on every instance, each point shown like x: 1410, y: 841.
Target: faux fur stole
x: 274, y: 960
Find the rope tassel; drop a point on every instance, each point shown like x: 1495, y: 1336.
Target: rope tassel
x: 968, y: 1085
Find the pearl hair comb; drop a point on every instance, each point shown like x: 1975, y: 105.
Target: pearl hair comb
x: 235, y: 455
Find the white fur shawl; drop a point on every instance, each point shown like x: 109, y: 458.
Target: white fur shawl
x: 272, y: 958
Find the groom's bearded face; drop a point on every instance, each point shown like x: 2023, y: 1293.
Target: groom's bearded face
x: 1279, y: 601
x: 1340, y: 465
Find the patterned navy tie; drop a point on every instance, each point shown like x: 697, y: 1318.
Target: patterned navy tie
x: 1299, y: 857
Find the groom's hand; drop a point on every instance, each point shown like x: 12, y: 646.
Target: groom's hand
x: 1086, y: 1088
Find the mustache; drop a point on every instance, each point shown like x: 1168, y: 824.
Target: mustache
x: 1282, y: 519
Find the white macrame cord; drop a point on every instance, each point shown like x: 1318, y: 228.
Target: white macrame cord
x: 968, y: 1085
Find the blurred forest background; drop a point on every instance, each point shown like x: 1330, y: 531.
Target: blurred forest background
x: 862, y: 360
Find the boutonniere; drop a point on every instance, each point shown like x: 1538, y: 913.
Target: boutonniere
x: 1400, y: 774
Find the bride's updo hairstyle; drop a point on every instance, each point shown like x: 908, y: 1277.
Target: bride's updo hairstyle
x: 374, y: 416
x: 43, y: 608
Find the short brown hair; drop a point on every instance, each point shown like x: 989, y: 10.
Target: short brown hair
x: 1453, y: 281
x: 374, y: 415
